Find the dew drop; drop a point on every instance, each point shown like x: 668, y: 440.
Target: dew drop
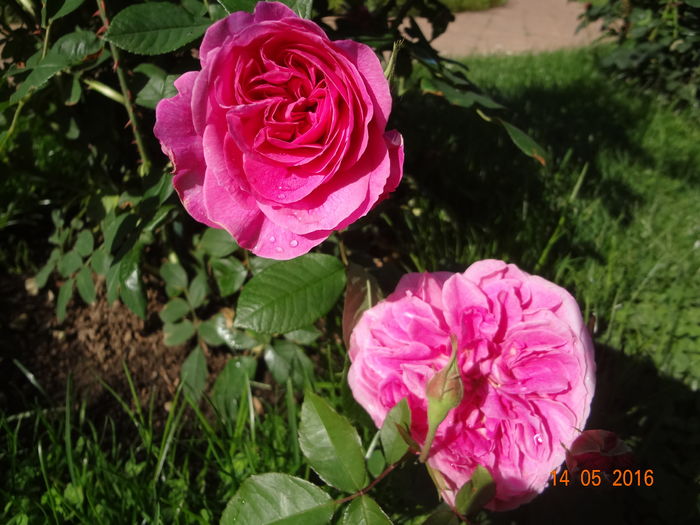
x: 293, y: 243
x: 278, y: 249
x: 537, y: 438
x: 272, y: 238
x: 281, y: 196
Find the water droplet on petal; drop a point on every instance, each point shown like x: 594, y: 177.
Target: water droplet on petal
x: 272, y: 238
x: 280, y: 196
x: 537, y: 438
x: 278, y: 249
x: 293, y: 243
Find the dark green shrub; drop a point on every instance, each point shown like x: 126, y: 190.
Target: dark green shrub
x: 658, y: 43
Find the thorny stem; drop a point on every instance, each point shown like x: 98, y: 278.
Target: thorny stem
x: 376, y: 480
x: 384, y: 474
x: 145, y: 160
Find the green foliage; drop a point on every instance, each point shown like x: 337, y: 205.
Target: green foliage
x: 657, y: 43
x: 291, y: 294
x: 154, y: 28
x: 271, y: 498
x: 194, y: 374
x: 396, y: 425
x: 364, y: 511
x: 472, y: 5
x: 331, y: 445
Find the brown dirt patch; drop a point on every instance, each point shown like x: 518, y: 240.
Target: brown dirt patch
x: 93, y: 344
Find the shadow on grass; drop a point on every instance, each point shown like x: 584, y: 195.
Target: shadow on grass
x: 473, y: 168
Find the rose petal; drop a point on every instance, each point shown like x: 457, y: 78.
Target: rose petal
x: 179, y: 141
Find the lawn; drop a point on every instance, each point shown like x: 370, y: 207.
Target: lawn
x: 613, y: 216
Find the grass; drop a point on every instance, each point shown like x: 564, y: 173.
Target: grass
x: 457, y: 6
x: 625, y: 244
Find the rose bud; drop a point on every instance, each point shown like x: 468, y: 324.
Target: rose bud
x: 598, y: 449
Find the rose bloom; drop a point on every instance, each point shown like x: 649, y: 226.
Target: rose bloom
x: 525, y: 359
x: 280, y: 138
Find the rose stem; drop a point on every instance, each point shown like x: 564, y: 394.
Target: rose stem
x: 376, y: 480
x: 145, y: 161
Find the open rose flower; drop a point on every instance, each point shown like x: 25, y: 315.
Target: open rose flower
x: 525, y: 359
x: 280, y: 138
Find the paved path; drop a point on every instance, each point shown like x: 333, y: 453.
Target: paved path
x: 517, y: 27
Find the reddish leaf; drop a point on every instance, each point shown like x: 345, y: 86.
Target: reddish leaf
x: 361, y: 293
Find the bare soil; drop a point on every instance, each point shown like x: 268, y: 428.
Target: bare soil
x: 93, y: 346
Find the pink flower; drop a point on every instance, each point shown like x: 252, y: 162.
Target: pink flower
x: 280, y: 138
x: 524, y: 356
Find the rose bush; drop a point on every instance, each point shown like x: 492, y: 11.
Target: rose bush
x: 524, y: 356
x: 280, y: 138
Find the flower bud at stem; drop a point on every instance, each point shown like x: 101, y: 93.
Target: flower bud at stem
x: 444, y: 392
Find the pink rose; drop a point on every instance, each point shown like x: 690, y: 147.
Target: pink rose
x: 280, y: 138
x: 524, y: 356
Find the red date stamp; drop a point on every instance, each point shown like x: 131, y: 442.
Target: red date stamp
x: 596, y: 478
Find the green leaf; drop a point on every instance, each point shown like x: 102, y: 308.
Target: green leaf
x: 232, y: 6
x: 443, y: 515
x: 285, y: 359
x: 376, y: 463
x: 65, y: 292
x: 69, y: 50
x: 101, y: 261
x: 693, y: 3
x: 476, y: 492
x: 217, y: 243
x: 112, y: 280
x: 73, y: 494
x: 364, y: 511
x: 160, y: 85
x: 131, y: 286
x: 361, y: 293
x: 393, y: 443
x: 177, y: 333
x: 207, y: 331
x: 234, y: 339
x: 457, y: 97
x: 303, y: 336
x: 85, y: 243
x: 229, y: 275
x: 175, y: 277
x: 154, y: 28
x: 174, y: 310
x: 525, y: 143
x: 300, y: 7
x: 280, y: 499
x: 193, y: 374
x: 40, y: 74
x: 199, y: 288
x: 291, y: 294
x: 68, y: 7
x: 331, y: 445
x: 71, y: 100
x: 228, y: 387
x: 260, y: 264
x: 75, y: 47
x: 85, y: 284
x: 69, y: 263
x: 43, y: 275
